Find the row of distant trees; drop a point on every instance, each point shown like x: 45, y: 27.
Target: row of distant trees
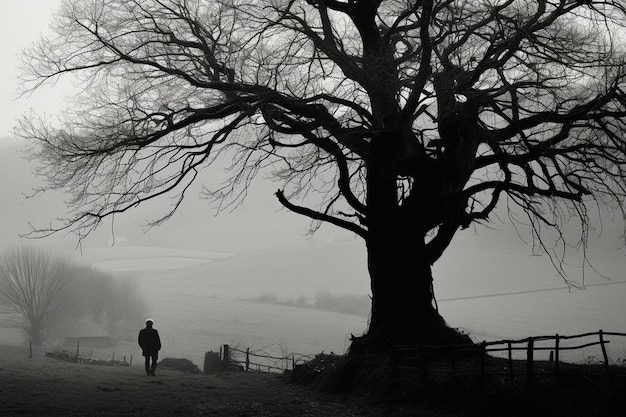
x: 40, y: 291
x: 324, y: 300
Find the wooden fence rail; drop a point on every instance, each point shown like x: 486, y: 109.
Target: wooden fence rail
x: 412, y: 357
x: 259, y: 360
x: 425, y: 354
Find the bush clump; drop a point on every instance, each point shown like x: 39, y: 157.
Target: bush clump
x: 183, y: 365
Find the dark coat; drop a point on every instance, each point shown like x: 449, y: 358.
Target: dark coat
x: 149, y: 341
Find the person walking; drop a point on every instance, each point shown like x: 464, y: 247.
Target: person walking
x: 150, y: 344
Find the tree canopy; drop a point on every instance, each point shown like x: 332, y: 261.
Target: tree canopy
x: 42, y: 294
x: 407, y: 119
x: 36, y: 289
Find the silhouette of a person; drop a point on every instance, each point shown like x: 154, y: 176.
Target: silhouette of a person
x: 150, y: 344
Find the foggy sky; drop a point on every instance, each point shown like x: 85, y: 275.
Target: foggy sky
x: 21, y: 22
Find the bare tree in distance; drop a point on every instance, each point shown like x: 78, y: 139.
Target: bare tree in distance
x: 36, y: 289
x: 93, y: 290
x: 125, y: 304
x: 111, y: 301
x: 400, y: 121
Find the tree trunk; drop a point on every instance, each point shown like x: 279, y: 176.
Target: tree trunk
x: 36, y: 332
x: 403, y: 302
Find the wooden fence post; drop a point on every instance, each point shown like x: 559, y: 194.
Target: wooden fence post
x: 509, y: 349
x: 557, y: 341
x: 225, y: 357
x: 30, y: 348
x: 483, y: 354
x: 247, y: 359
x: 604, y: 354
x: 77, y: 349
x: 529, y: 361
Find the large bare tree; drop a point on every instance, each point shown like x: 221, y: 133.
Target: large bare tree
x: 36, y: 290
x: 401, y: 121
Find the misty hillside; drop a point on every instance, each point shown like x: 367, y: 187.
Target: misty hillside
x: 288, y: 273
x: 467, y: 278
x: 207, y: 302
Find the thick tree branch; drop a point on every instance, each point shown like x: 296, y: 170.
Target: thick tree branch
x: 316, y: 215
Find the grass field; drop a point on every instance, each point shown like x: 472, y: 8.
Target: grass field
x: 201, y: 305
x: 41, y: 386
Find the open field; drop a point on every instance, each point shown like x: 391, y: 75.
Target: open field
x: 42, y: 386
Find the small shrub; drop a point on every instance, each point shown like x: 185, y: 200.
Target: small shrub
x: 183, y: 365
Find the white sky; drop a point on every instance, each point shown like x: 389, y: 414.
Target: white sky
x: 21, y: 23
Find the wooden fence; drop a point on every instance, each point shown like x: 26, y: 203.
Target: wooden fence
x: 253, y: 360
x: 451, y: 360
x: 79, y: 356
x: 473, y: 359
